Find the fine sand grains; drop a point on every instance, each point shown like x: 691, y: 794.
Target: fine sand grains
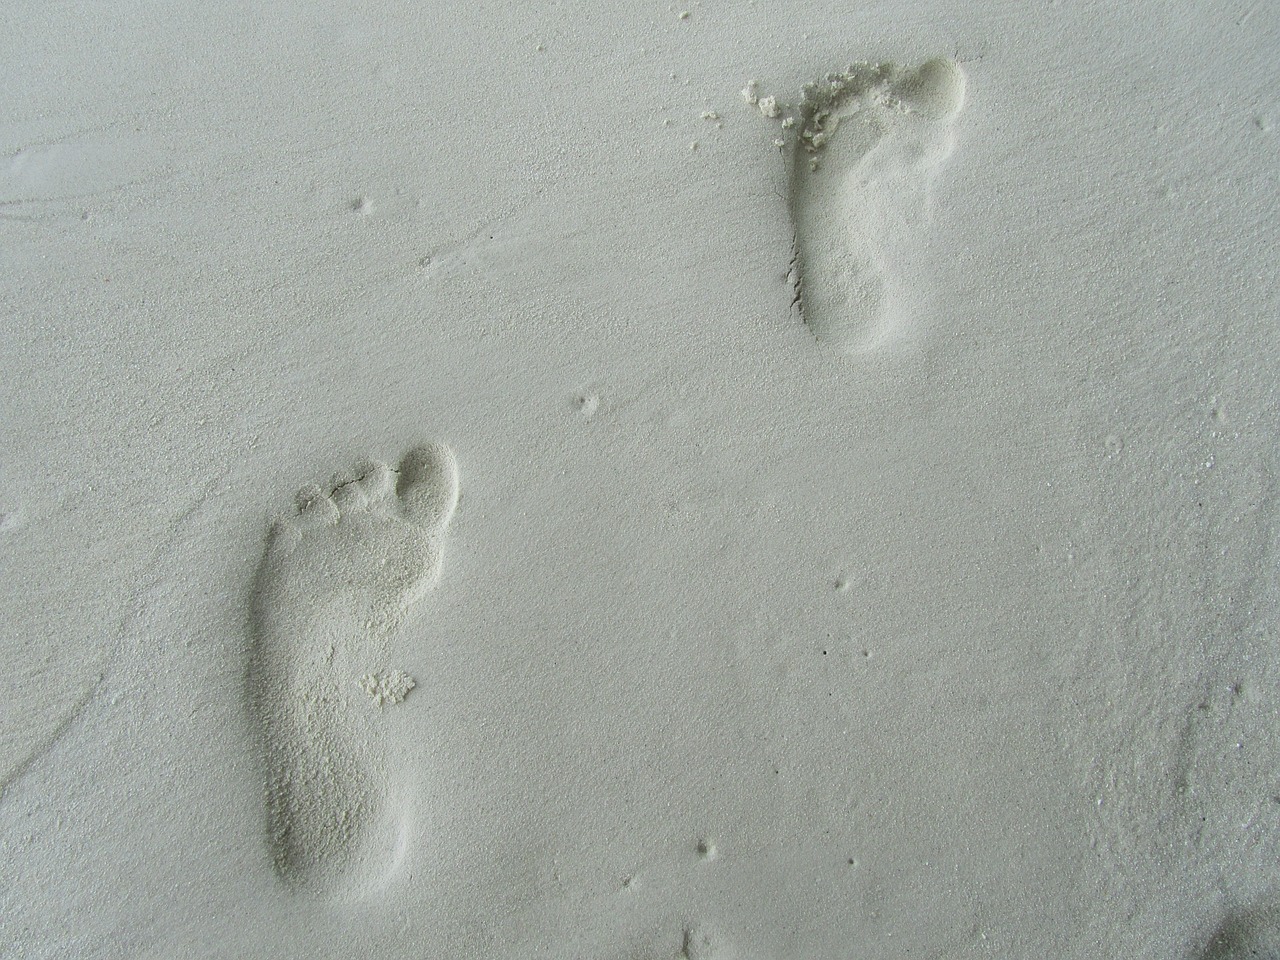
x: 335, y: 581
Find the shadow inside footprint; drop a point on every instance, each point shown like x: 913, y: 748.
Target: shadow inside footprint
x: 1252, y: 934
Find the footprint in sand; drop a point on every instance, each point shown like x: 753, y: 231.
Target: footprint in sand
x: 337, y: 578
x: 869, y: 143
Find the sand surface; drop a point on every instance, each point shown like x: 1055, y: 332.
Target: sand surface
x: 481, y: 481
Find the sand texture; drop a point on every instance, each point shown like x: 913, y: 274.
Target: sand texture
x: 578, y: 481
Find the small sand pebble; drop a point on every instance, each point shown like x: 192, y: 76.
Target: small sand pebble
x: 387, y: 686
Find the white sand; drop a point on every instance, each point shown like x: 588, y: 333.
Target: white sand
x: 744, y: 643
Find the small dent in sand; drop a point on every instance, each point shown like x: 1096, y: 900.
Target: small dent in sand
x: 696, y: 943
x: 586, y: 403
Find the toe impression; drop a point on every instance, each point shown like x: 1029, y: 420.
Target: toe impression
x: 428, y: 485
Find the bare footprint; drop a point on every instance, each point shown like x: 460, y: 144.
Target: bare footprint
x: 869, y: 142
x: 336, y: 580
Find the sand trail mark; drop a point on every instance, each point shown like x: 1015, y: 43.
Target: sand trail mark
x: 337, y: 578
x: 866, y: 145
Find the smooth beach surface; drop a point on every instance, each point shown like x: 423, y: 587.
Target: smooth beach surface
x: 482, y: 481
